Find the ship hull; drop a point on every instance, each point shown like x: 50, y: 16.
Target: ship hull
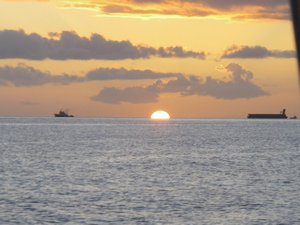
x: 58, y: 115
x: 267, y: 116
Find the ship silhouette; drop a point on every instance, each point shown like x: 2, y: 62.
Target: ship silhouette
x: 281, y: 115
x: 63, y: 113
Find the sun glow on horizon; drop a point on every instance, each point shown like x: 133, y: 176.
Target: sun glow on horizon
x: 160, y: 115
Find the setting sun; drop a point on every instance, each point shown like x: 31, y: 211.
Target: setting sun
x: 160, y: 115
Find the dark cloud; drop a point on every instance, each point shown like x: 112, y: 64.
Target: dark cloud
x: 124, y: 74
x: 69, y: 45
x: 24, y: 75
x: 236, y: 9
x: 136, y: 95
x: 240, y: 3
x: 223, y: 4
x: 239, y: 85
x: 256, y: 52
x: 112, y: 9
x: 179, y: 52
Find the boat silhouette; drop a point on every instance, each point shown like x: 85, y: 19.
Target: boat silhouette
x: 281, y: 115
x: 63, y: 113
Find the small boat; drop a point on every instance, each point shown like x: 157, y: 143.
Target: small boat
x: 62, y: 113
x: 293, y: 117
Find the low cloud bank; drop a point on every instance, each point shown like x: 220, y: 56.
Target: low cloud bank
x: 255, y: 52
x: 69, y: 45
x: 239, y: 84
x: 24, y: 75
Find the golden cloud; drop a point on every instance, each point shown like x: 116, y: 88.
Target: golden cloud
x: 229, y: 9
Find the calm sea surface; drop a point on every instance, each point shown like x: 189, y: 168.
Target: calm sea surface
x: 136, y: 171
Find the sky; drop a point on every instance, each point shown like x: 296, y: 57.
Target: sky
x: 128, y: 58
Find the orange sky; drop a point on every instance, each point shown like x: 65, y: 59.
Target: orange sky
x: 123, y: 58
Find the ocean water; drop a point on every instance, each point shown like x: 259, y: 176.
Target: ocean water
x: 136, y: 171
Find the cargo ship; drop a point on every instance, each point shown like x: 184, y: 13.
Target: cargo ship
x: 62, y: 113
x: 281, y: 115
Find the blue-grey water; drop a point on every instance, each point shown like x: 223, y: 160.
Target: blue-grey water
x: 136, y: 171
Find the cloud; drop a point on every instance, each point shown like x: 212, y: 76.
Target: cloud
x: 136, y: 95
x: 24, y: 75
x: 236, y: 9
x: 69, y: 45
x: 256, y: 52
x: 239, y: 85
x: 124, y: 74
x: 236, y: 3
